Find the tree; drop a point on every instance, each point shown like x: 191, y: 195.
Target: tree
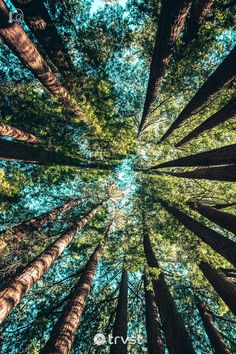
x: 14, y: 292
x: 219, y: 243
x: 224, y: 114
x: 63, y: 333
x: 171, y: 21
x: 223, y: 75
x: 14, y: 133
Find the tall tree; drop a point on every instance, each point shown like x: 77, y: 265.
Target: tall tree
x: 14, y: 292
x: 221, y: 156
x: 225, y: 288
x: 171, y: 21
x: 222, y: 245
x: 63, y: 333
x: 14, y: 133
x: 216, y: 340
x: 120, y: 327
x: 221, y: 218
x: 223, y: 75
x: 224, y: 114
x: 154, y: 341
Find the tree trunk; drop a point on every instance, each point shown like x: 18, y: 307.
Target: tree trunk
x: 63, y: 333
x: 223, y: 173
x: 222, y: 245
x: 172, y: 18
x: 14, y: 133
x: 16, y: 39
x: 221, y: 156
x: 177, y: 338
x: 223, y: 75
x: 221, y: 218
x: 121, y: 321
x: 224, y: 287
x: 154, y: 341
x: 37, y: 18
x: 21, y: 152
x: 224, y: 114
x: 216, y: 340
x: 197, y: 17
x: 224, y: 206
x: 12, y: 295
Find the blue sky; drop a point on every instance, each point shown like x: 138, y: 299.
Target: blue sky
x: 100, y: 3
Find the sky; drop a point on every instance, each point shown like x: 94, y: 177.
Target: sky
x: 100, y: 3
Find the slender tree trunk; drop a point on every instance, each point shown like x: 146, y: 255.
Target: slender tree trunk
x: 172, y: 18
x: 21, y: 152
x: 177, y: 338
x: 12, y: 294
x: 223, y: 173
x: 41, y: 25
x: 154, y: 341
x: 223, y: 75
x: 197, y: 17
x: 216, y: 340
x: 221, y: 218
x: 224, y: 114
x: 224, y: 287
x: 16, y: 39
x: 224, y: 206
x: 221, y: 156
x: 222, y: 245
x: 63, y: 333
x: 121, y: 321
x: 14, y: 133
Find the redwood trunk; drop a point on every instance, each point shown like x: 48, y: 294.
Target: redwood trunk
x: 172, y: 18
x: 63, y: 333
x: 14, y: 133
x: 221, y: 218
x: 154, y: 341
x: 121, y: 321
x: 224, y: 114
x: 225, y: 288
x: 223, y: 75
x: 222, y: 245
x: 12, y: 295
x: 221, y: 156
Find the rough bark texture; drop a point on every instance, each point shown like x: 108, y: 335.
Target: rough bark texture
x: 6, y: 130
x: 172, y: 18
x: 154, y: 341
x: 219, y: 243
x: 223, y: 173
x: 224, y: 74
x: 64, y: 331
x: 121, y: 321
x: 225, y: 288
x: 221, y: 218
x: 198, y: 14
x: 221, y: 156
x: 224, y: 114
x: 12, y: 295
x: 10, y: 150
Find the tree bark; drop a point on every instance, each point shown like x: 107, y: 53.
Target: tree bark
x: 224, y: 114
x: 224, y: 206
x: 154, y: 341
x: 12, y: 294
x: 221, y: 156
x: 16, y: 39
x: 221, y: 218
x: 63, y: 333
x: 172, y: 18
x: 14, y: 133
x: 224, y: 287
x: 222, y: 245
x: 121, y: 321
x: 198, y: 14
x: 216, y: 340
x: 31, y: 154
x: 223, y: 75
x: 223, y: 173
